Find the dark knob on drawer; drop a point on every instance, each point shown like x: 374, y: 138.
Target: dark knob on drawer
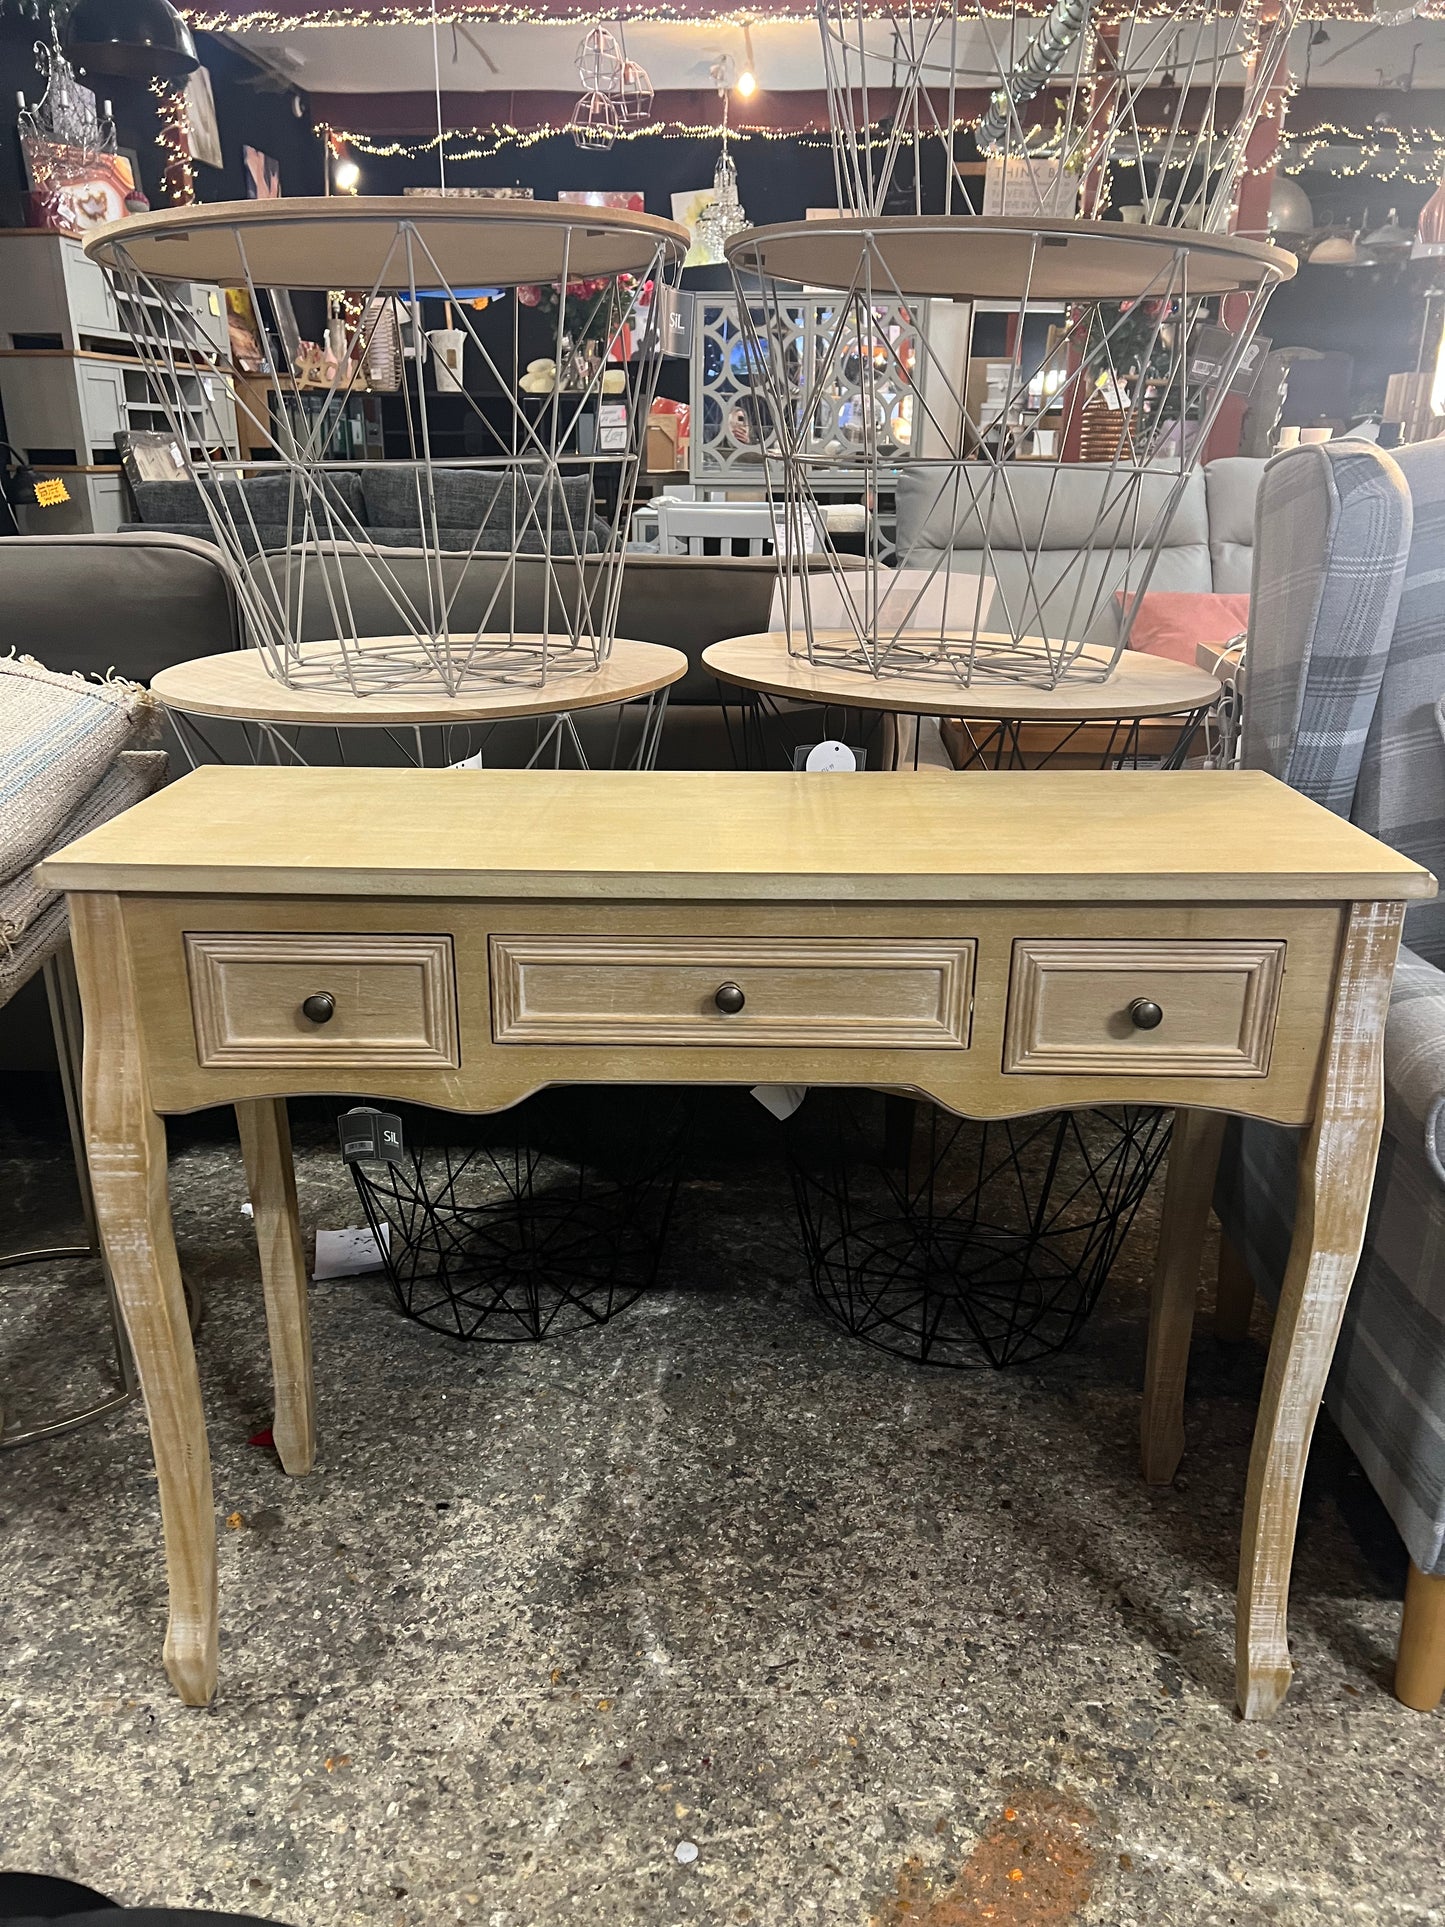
x: 1145, y: 1014
x: 729, y: 999
x: 319, y: 1007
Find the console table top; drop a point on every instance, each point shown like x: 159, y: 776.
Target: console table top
x: 996, y: 836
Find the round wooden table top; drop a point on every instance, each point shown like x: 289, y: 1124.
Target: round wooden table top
x: 238, y: 686
x: 362, y: 241
x: 976, y: 257
x: 1139, y: 685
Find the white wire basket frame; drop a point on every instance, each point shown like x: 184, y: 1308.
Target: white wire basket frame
x: 1058, y: 95
x: 549, y: 567
x: 1009, y: 564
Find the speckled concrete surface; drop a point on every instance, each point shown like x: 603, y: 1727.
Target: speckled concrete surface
x: 882, y: 1646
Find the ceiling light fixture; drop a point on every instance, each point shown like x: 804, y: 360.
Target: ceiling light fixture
x: 142, y: 39
x: 746, y: 83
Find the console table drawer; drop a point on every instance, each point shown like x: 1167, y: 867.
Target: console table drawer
x: 1202, y: 1008
x: 377, y: 999
x: 876, y: 992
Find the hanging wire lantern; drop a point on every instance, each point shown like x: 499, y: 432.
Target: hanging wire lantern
x: 596, y: 122
x: 599, y: 61
x: 634, y: 92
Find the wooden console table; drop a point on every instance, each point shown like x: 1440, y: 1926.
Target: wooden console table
x: 1001, y: 943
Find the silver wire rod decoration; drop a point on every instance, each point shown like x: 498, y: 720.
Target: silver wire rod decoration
x: 433, y: 573
x: 1041, y: 60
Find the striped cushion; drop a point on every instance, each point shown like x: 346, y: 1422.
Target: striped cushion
x: 58, y: 737
x: 24, y: 900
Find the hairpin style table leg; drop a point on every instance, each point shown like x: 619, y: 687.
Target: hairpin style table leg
x: 1336, y: 1177
x: 1188, y: 1189
x: 271, y: 1180
x: 126, y: 1146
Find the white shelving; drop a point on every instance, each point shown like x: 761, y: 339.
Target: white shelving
x: 70, y: 379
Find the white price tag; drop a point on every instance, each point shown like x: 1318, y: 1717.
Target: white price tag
x: 830, y: 755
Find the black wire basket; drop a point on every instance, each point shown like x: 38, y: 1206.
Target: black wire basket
x: 952, y: 1242
x: 537, y: 1221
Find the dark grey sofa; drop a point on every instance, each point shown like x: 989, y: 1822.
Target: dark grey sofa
x: 388, y: 504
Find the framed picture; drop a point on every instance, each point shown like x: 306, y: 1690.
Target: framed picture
x: 263, y: 175
x: 472, y: 193
x: 597, y: 197
x: 203, y: 135
x: 247, y: 350
x: 72, y: 191
x: 686, y: 211
x: 149, y: 456
x: 288, y: 334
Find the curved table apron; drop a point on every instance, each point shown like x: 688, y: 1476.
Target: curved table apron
x: 237, y: 687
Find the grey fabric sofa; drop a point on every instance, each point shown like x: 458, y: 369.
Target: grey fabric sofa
x: 389, y: 505
x: 1058, y: 535
x: 1345, y: 676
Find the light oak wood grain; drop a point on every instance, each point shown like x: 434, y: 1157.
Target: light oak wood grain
x: 1336, y: 1175
x: 735, y: 871
x: 1069, y: 1006
x: 1420, y: 1663
x: 126, y: 1148
x: 998, y: 257
x: 395, y: 998
x: 239, y: 685
x: 491, y: 1075
x: 1188, y: 1189
x: 1081, y: 836
x: 271, y: 1181
x: 1139, y: 685
x: 882, y: 993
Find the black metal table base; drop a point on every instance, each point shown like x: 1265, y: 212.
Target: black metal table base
x: 953, y: 1242
x: 544, y: 1219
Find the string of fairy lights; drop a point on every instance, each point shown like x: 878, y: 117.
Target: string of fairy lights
x: 671, y: 12
x: 173, y: 138
x: 1413, y: 156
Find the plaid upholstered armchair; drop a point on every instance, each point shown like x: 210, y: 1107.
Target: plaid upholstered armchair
x: 1345, y: 676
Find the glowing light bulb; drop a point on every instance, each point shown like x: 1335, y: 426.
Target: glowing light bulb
x: 746, y: 84
x: 346, y: 176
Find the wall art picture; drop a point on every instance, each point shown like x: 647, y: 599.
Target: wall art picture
x: 687, y: 211
x: 472, y: 193
x: 263, y: 175
x: 203, y: 133
x: 600, y: 197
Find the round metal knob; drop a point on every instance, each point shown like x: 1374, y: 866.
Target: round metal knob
x: 729, y: 999
x: 319, y: 1007
x: 1145, y: 1014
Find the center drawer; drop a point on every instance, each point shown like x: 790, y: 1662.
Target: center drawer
x: 870, y: 992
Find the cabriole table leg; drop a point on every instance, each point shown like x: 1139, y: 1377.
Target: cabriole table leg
x: 126, y: 1146
x: 1336, y: 1177
x: 271, y: 1180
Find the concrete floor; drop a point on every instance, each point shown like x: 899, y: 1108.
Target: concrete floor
x: 712, y: 1615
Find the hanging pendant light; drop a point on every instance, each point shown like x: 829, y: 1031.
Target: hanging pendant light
x: 599, y: 61
x: 140, y: 39
x: 723, y: 217
x: 596, y: 122
x: 634, y: 92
